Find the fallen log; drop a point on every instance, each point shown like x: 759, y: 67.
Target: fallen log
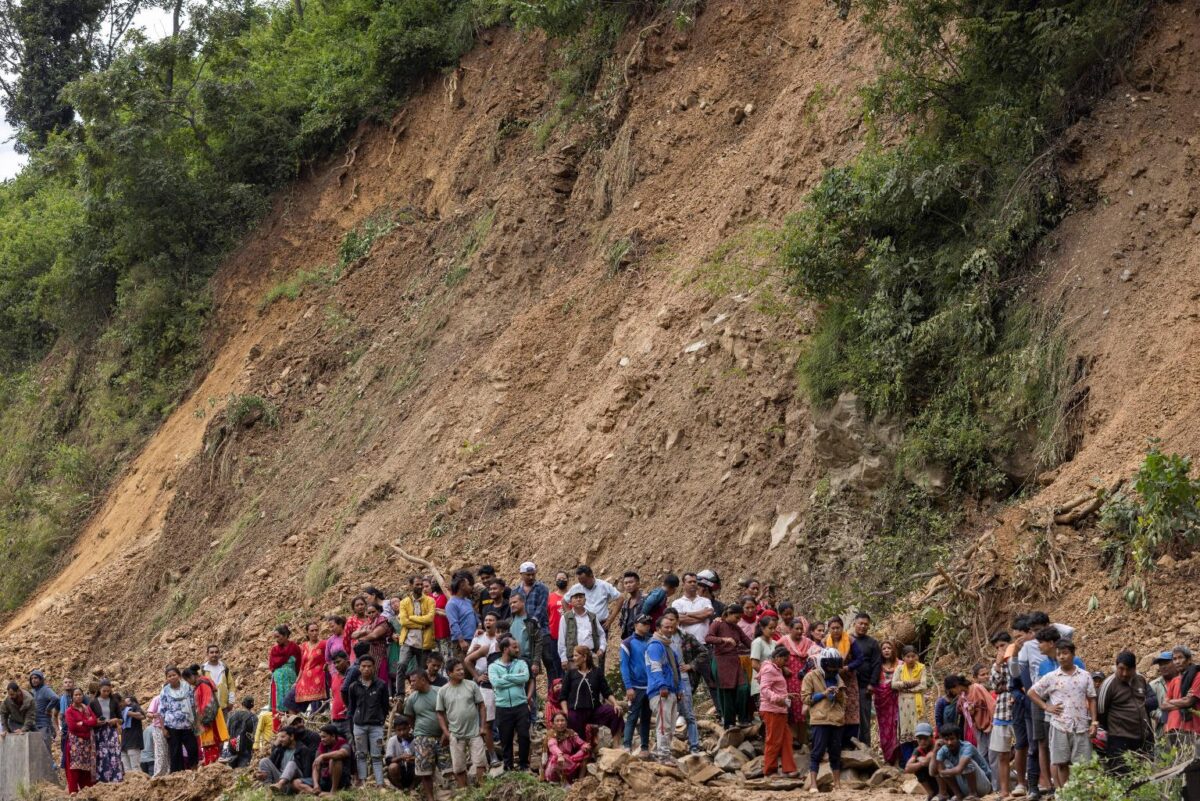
x: 425, y: 563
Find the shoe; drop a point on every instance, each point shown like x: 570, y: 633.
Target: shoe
x: 1019, y: 791
x: 696, y: 750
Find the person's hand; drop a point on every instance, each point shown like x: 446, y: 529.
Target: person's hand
x: 1053, y: 709
x: 730, y: 640
x: 445, y: 739
x: 629, y: 694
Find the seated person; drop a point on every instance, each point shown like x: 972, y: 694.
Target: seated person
x: 919, y: 764
x: 398, y: 757
x: 959, y: 768
x: 331, y: 771
x: 289, y: 767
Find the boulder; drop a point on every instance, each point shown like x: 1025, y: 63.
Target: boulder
x: 885, y: 774
x: 611, y: 760
x: 778, y: 784
x: 824, y: 778
x: 693, y: 763
x: 747, y: 748
x: 861, y: 759
x: 753, y: 769
x: 639, y: 777
x: 705, y: 774
x: 912, y: 786
x: 730, y: 738
x: 730, y: 759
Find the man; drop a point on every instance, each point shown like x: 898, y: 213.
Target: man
x: 367, y: 702
x: 499, y: 594
x: 691, y: 653
x: 17, y: 715
x: 460, y: 613
x: 663, y: 685
x: 1030, y: 659
x: 1182, y: 706
x: 959, y: 769
x: 631, y: 605
x: 1166, y: 671
x: 1000, y: 743
x: 330, y: 771
x: 598, y: 593
x: 45, y: 706
x: 483, y: 594
x: 399, y: 755
x: 1124, y: 703
x: 710, y: 586
x: 920, y: 764
x: 222, y: 678
x: 580, y: 626
x: 868, y: 671
x: 659, y: 600
x: 462, y: 715
x: 509, y: 676
x: 1068, y: 696
x: 421, y: 708
x: 633, y: 676
x: 1026, y: 769
x: 242, y: 726
x: 289, y: 765
x: 415, y: 617
x: 483, y: 651
x: 536, y: 596
x: 338, y: 676
x: 554, y: 611
x: 433, y: 669
x: 528, y: 634
x: 695, y: 614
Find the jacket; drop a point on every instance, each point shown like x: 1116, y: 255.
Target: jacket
x: 18, y: 716
x: 633, y: 662
x: 662, y: 668
x: 411, y: 618
x: 569, y: 634
x: 226, y: 689
x: 508, y: 682
x: 826, y: 712
x: 772, y: 688
x: 367, y: 705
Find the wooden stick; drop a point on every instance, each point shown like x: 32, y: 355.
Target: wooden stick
x: 416, y: 560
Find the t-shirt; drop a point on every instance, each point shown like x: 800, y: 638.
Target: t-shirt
x: 1048, y: 666
x: 422, y: 709
x: 597, y: 599
x: 441, y: 625
x: 1125, y: 713
x: 761, y: 650
x: 481, y: 663
x: 1071, y: 690
x: 686, y: 606
x: 1184, y: 719
x: 338, y: 744
x: 397, y: 748
x: 460, y: 705
x: 554, y: 612
x: 965, y: 749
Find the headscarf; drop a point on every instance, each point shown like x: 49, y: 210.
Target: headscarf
x: 843, y: 644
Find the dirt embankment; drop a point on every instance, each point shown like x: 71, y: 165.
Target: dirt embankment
x: 577, y: 353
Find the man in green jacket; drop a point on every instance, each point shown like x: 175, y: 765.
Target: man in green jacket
x: 508, y: 676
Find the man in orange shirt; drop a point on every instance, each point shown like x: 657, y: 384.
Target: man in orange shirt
x: 1183, y: 710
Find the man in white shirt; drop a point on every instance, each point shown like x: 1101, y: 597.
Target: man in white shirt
x: 598, y: 593
x: 221, y: 677
x: 580, y: 626
x: 695, y: 611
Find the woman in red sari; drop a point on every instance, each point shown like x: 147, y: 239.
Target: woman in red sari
x: 798, y: 646
x: 887, y: 703
x: 79, y: 752
x: 284, y: 661
x: 310, y: 683
x: 377, y: 631
x: 356, y: 621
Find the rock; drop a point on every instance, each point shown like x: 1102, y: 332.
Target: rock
x: 885, y: 774
x: 737, y: 114
x: 1126, y: 275
x: 693, y: 763
x: 293, y: 540
x: 780, y: 529
x: 754, y: 768
x: 731, y: 738
x: 861, y: 759
x: 706, y: 774
x: 912, y: 786
x: 749, y: 109
x: 778, y: 784
x: 747, y: 748
x: 611, y: 760
x: 730, y: 759
x: 696, y: 347
x: 262, y: 572
x: 824, y: 778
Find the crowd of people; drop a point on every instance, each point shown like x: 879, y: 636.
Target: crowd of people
x: 431, y: 684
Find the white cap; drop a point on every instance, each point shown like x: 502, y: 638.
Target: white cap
x: 528, y: 567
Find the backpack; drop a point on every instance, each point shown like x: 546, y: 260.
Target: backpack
x: 208, y: 715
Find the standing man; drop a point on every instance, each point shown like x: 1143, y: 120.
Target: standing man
x: 868, y: 673
x: 222, y: 678
x: 554, y: 613
x: 415, y: 615
x: 710, y: 587
x: 338, y: 671
x: 580, y: 626
x: 695, y: 614
x: 633, y: 676
x: 368, y: 702
x: 1124, y: 703
x: 509, y: 675
x: 1166, y: 672
x: 659, y: 600
x: 460, y: 613
x: 528, y: 634
x: 1068, y: 696
x: 631, y: 605
x: 664, y: 682
x: 483, y: 595
x: 462, y: 716
x: 1182, y: 705
x: 428, y: 740
x: 499, y: 594
x: 45, y: 706
x: 536, y: 596
x: 598, y: 594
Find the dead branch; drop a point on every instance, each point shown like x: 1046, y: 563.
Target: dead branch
x: 786, y: 42
x: 1078, y: 512
x: 957, y: 588
x: 425, y: 563
x: 1075, y: 502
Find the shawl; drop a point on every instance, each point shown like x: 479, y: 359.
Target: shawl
x: 842, y: 644
x: 178, y: 706
x: 915, y: 675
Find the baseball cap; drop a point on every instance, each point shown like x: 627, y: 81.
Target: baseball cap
x: 649, y: 621
x: 923, y: 730
x: 1161, y: 656
x: 528, y: 567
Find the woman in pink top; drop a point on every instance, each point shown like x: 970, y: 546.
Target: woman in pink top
x: 773, y: 699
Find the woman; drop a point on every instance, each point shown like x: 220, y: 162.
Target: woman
x: 310, y: 681
x: 177, y: 704
x: 749, y: 618
x: 283, y: 661
x: 852, y: 658
x: 887, y: 703
x: 79, y: 751
x: 357, y: 619
x: 132, y: 719
x: 761, y: 649
x: 910, y: 683
x: 566, y: 751
x: 773, y: 708
x: 107, y: 735
x: 789, y: 618
x: 586, y: 697
x: 728, y: 644
x: 336, y: 641
x: 553, y: 701
x: 817, y: 635
x: 825, y: 695
x: 158, y: 737
x: 441, y: 623
x: 798, y: 646
x: 377, y: 630
x: 210, y: 721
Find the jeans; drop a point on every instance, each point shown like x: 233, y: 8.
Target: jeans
x: 407, y: 654
x: 689, y: 713
x: 514, y: 720
x: 666, y: 710
x: 638, y: 716
x: 368, y: 748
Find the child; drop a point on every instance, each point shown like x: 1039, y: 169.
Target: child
x: 919, y: 764
x: 398, y: 757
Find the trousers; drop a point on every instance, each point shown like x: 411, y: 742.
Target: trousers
x: 513, y: 722
x: 778, y: 750
x: 666, y: 710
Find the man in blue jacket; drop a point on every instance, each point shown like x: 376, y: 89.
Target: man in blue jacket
x: 633, y: 674
x: 663, y: 685
x: 508, y: 676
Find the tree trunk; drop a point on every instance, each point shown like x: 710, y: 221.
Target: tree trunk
x: 175, y: 12
x: 299, y: 4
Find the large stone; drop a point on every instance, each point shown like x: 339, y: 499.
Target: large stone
x: 747, y: 748
x: 778, y: 784
x: 730, y: 738
x: 912, y: 786
x: 824, y: 778
x: 611, y: 760
x: 24, y: 762
x: 730, y: 759
x: 753, y: 769
x: 885, y: 774
x: 693, y: 763
x: 861, y: 759
x: 705, y: 774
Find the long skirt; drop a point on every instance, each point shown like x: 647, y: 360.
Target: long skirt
x: 162, y: 759
x: 795, y: 686
x: 887, y: 715
x: 109, y: 767
x: 733, y: 704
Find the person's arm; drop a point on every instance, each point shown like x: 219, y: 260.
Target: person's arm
x: 1091, y: 705
x: 626, y: 672
x: 958, y: 769
x: 856, y: 657
x: 603, y: 646
x: 473, y: 656
x: 652, y: 600
x: 55, y: 720
x: 444, y: 725
x: 425, y: 619
x: 562, y: 639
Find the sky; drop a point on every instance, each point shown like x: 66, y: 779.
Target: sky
x: 157, y: 24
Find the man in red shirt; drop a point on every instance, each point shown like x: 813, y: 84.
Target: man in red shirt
x: 1183, y: 710
x: 554, y: 609
x: 337, y: 702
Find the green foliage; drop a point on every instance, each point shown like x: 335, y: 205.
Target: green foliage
x: 1161, y: 515
x: 294, y: 287
x: 513, y: 786
x: 243, y: 411
x: 1093, y: 781
x: 913, y: 248
x: 320, y: 575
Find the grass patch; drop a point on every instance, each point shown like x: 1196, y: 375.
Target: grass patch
x: 243, y: 411
x: 321, y: 574
x: 472, y: 242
